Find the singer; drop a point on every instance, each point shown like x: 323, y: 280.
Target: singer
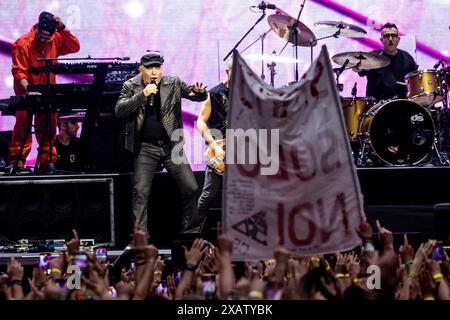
x: 151, y: 103
x: 382, y: 83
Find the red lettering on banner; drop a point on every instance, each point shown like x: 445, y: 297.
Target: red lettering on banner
x: 291, y: 225
x: 327, y: 163
x: 325, y: 227
x: 280, y: 212
x: 246, y: 103
x: 298, y: 157
x: 282, y: 173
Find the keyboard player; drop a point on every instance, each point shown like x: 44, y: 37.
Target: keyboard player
x: 49, y: 38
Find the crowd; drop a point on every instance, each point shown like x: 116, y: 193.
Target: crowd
x: 209, y: 273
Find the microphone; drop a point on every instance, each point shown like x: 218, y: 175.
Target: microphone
x: 341, y: 69
x: 354, y: 90
x: 263, y: 6
x: 438, y: 63
x: 151, y: 100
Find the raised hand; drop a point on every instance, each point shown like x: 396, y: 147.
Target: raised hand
x: 195, y: 253
x: 406, y: 250
x: 364, y: 231
x: 385, y: 236
x: 74, y: 244
x: 199, y: 88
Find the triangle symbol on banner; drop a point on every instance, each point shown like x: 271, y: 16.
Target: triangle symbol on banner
x: 254, y: 227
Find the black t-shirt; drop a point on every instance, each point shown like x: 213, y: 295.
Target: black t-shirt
x: 219, y: 96
x: 152, y: 128
x: 382, y: 83
x: 68, y: 156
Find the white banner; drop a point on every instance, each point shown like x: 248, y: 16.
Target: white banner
x: 289, y: 175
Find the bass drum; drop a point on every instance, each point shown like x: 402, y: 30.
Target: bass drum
x: 400, y: 132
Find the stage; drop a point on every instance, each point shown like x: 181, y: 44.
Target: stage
x: 99, y: 205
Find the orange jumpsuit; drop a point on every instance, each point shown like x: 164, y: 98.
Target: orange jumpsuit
x: 25, y: 52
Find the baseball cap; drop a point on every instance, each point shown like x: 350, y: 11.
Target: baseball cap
x: 47, y: 22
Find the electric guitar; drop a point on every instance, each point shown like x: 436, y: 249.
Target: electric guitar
x: 209, y: 155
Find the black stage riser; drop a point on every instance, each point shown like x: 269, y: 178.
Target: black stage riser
x: 403, y: 199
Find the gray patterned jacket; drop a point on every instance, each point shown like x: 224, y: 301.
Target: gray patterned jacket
x: 132, y: 101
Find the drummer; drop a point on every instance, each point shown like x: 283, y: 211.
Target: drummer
x: 388, y: 82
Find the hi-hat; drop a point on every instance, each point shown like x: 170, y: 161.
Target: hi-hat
x: 361, y: 60
x: 282, y: 26
x: 344, y: 29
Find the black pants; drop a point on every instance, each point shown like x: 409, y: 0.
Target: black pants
x: 212, y: 185
x: 148, y: 160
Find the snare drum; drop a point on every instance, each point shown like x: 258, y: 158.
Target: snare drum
x: 400, y: 132
x: 353, y: 109
x: 422, y: 86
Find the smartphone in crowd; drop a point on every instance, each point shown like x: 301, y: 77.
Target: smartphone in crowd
x: 44, y: 262
x: 438, y: 252
x: 80, y: 259
x: 209, y: 285
x: 102, y: 254
x: 133, y: 271
x: 177, y: 275
x: 162, y: 289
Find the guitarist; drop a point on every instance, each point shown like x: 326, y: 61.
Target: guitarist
x: 213, y: 115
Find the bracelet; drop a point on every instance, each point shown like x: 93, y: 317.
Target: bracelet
x: 56, y: 270
x: 429, y: 298
x: 328, y: 268
x: 256, y: 294
x: 190, y: 267
x: 438, y: 276
x: 409, y: 262
x: 355, y: 280
x: 341, y: 275
x: 157, y: 273
x: 14, y: 282
x: 315, y: 259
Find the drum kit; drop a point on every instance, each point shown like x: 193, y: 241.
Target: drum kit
x: 398, y: 132
x: 395, y: 132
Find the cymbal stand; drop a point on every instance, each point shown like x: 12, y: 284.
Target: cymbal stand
x: 246, y: 34
x: 271, y: 67
x: 261, y: 37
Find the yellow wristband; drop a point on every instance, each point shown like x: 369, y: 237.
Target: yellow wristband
x: 355, y: 280
x: 56, y: 270
x: 157, y: 273
x: 438, y: 276
x: 327, y: 268
x: 315, y: 259
x: 256, y: 294
x: 341, y: 275
x: 429, y: 298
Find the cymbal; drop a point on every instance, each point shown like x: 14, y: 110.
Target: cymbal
x: 361, y: 60
x: 344, y: 29
x: 282, y: 25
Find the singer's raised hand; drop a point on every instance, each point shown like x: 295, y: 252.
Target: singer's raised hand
x: 199, y: 88
x: 151, y: 88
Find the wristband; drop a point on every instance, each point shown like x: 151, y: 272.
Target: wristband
x: 157, y: 273
x: 437, y: 276
x: 56, y: 270
x: 315, y: 259
x: 190, y: 267
x: 15, y: 282
x: 341, y: 275
x: 256, y: 294
x: 409, y: 262
x: 429, y: 298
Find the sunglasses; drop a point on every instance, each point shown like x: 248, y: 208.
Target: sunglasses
x: 388, y: 35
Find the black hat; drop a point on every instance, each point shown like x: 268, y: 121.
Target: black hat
x: 47, y: 22
x: 151, y: 59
